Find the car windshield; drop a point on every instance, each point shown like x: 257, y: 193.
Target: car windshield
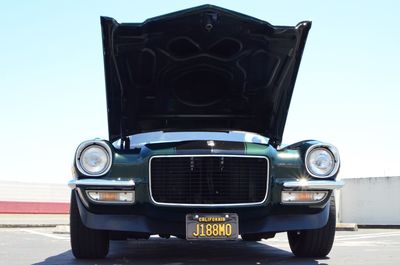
x: 138, y: 140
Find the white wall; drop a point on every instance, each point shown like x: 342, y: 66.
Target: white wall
x: 370, y: 201
x: 34, y: 192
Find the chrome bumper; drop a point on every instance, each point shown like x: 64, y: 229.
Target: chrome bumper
x: 314, y: 184
x: 101, y: 183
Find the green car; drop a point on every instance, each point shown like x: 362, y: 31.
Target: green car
x: 197, y: 102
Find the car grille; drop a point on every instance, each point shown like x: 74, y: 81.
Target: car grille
x: 200, y: 180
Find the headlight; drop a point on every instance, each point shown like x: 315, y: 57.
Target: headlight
x: 93, y: 158
x: 322, y: 161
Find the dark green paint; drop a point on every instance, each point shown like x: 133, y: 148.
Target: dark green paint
x: 286, y: 164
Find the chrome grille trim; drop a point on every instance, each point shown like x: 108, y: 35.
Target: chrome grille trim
x: 210, y: 205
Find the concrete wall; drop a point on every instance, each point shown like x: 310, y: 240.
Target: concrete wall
x: 34, y: 192
x: 370, y: 201
x: 365, y: 201
x: 44, y: 198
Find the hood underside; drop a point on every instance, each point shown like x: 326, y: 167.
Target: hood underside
x: 205, y: 68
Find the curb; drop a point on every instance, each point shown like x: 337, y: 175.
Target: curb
x: 29, y: 225
x: 346, y: 227
x: 380, y: 226
x: 61, y: 229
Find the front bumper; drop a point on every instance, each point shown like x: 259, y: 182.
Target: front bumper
x: 101, y: 183
x: 301, y: 184
x: 150, y: 225
x: 314, y: 184
x: 283, y: 218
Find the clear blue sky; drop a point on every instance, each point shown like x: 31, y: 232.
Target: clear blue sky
x: 52, y: 83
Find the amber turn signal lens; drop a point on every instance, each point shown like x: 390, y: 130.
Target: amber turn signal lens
x: 303, y: 196
x: 111, y: 196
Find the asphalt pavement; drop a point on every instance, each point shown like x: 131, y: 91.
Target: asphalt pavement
x: 46, y: 246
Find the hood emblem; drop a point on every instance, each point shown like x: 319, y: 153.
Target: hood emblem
x: 211, y: 143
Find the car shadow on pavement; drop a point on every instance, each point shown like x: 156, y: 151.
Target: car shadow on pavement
x: 181, y: 252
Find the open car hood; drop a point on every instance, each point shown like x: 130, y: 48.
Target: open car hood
x: 204, y: 68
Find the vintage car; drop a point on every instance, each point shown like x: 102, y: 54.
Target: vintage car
x: 197, y: 102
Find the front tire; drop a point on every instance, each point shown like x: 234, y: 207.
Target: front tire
x: 315, y: 243
x: 86, y: 243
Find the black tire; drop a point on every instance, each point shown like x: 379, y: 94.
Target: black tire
x: 86, y: 243
x: 315, y: 243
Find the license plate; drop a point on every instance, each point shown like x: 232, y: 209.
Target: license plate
x: 212, y: 226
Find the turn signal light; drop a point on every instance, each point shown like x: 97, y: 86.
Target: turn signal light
x: 303, y: 196
x: 111, y: 196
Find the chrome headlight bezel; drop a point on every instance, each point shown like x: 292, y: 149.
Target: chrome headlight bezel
x: 332, y: 151
x: 84, y: 146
